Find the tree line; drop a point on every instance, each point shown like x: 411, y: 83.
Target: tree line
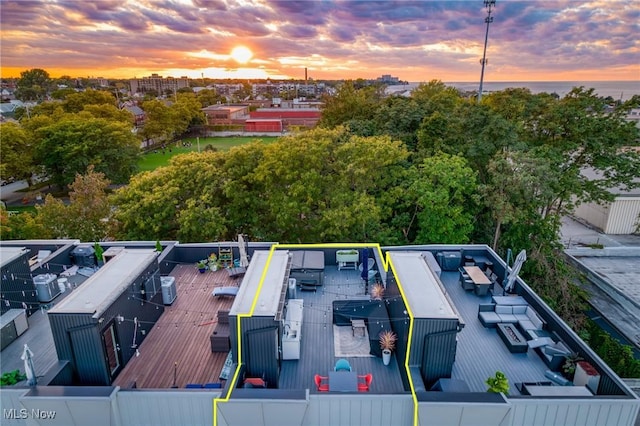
x: 68, y: 130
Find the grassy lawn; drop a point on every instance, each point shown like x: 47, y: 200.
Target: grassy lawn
x: 153, y: 160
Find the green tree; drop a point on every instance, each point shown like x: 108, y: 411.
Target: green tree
x: 518, y: 187
x: 88, y: 213
x: 186, y: 112
x: 33, y: 85
x: 62, y: 93
x: 208, y: 97
x: 400, y: 118
x: 160, y: 203
x: 159, y: 122
x: 348, y: 104
x: 77, y: 101
x: 587, y: 144
x: 22, y: 226
x: 322, y: 185
x: 470, y: 130
x: 109, y: 112
x: 69, y: 146
x: 17, y: 152
x: 442, y: 191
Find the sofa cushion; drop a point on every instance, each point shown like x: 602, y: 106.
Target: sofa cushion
x: 557, y: 349
x: 525, y: 324
x: 504, y: 309
x: 519, y: 310
x: 539, y: 342
x: 488, y: 319
x: 508, y: 318
x: 534, y: 318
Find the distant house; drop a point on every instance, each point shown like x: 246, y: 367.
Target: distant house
x: 139, y: 115
x: 620, y: 216
x: 634, y: 116
x: 226, y: 115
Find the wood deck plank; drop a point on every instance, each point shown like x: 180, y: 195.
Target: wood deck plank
x: 181, y: 335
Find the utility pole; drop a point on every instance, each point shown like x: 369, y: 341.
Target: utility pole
x: 489, y: 19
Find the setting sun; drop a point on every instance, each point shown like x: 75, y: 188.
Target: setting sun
x: 241, y: 54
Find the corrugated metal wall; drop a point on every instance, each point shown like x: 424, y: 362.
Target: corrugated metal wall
x: 623, y: 216
x: 423, y: 327
x: 352, y: 410
x: 185, y: 407
x: 264, y: 351
x: 165, y: 408
x: 77, y: 340
x: 438, y: 356
x: 17, y: 286
x: 593, y: 213
x: 573, y: 412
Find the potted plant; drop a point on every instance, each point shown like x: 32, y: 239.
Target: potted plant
x: 10, y: 378
x: 570, y: 363
x: 498, y: 383
x: 387, y: 344
x: 202, y: 266
x: 99, y: 252
x: 213, y: 262
x: 377, y: 291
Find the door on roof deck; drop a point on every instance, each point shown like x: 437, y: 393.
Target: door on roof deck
x: 111, y: 349
x: 439, y: 353
x: 262, y: 355
x: 88, y: 356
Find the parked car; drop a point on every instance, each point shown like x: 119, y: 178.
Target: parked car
x: 7, y: 181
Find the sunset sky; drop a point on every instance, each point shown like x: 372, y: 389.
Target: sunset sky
x: 413, y: 40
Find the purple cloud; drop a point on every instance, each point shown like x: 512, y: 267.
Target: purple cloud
x: 533, y: 38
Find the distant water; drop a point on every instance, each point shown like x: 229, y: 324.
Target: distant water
x: 623, y: 90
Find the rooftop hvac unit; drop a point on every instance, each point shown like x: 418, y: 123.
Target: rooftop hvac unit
x: 46, y: 287
x: 169, y: 292
x: 84, y: 256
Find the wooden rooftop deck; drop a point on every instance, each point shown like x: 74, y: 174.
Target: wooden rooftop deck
x: 181, y: 335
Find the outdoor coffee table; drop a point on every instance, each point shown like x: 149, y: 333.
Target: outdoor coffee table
x: 516, y: 342
x: 358, y: 325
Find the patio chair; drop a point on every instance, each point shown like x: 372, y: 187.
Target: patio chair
x: 467, y: 284
x: 342, y: 365
x: 322, y: 383
x: 364, y: 381
x: 255, y: 382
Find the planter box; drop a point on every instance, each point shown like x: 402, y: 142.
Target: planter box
x: 347, y: 259
x: 347, y: 256
x: 586, y: 375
